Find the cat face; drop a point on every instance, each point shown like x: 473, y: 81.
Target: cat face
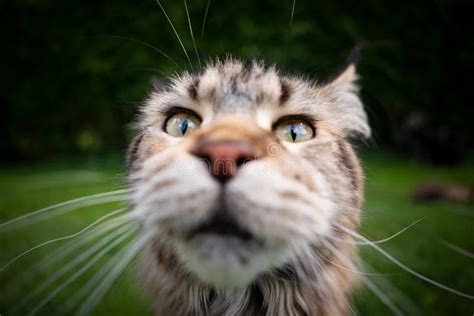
x: 240, y: 169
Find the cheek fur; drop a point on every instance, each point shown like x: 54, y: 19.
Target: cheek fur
x: 176, y: 197
x: 276, y: 206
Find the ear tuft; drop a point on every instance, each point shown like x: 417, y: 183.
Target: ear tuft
x: 348, y: 76
x: 354, y: 55
x: 347, y: 108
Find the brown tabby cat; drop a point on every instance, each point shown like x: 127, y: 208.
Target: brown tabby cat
x: 247, y: 182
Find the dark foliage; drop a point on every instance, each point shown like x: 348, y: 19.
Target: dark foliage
x: 71, y: 81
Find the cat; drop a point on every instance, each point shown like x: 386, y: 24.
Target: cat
x: 248, y: 186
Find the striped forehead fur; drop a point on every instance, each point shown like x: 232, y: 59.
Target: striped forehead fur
x: 234, y: 86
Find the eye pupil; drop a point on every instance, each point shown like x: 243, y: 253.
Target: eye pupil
x: 293, y: 132
x: 184, y: 126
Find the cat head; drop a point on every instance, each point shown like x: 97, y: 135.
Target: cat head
x: 240, y: 169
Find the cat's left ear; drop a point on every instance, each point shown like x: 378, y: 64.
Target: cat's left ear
x: 347, y: 108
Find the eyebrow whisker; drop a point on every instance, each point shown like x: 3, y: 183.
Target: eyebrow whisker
x: 175, y: 32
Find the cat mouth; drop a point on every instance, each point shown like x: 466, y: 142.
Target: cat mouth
x: 222, y: 225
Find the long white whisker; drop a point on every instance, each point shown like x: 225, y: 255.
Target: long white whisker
x: 336, y: 252
x: 363, y: 272
x: 289, y: 28
x: 91, y: 283
x: 82, y: 201
x: 292, y: 13
x: 191, y: 32
x: 80, y: 272
x: 367, y: 282
x: 64, y: 237
x: 145, y: 44
x: 404, y: 267
x: 175, y: 32
x: 321, y: 268
x: 404, y: 301
x: 71, y: 246
x: 374, y: 288
x: 71, y: 265
x: 380, y: 241
x: 97, y: 294
x: 205, y: 17
x: 457, y: 249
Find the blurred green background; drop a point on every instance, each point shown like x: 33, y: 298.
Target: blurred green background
x: 74, y: 73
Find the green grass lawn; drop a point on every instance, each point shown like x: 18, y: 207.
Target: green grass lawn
x: 390, y: 180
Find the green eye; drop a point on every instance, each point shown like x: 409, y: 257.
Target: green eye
x: 294, y: 130
x: 182, y: 124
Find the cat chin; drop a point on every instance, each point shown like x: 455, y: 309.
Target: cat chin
x: 226, y: 262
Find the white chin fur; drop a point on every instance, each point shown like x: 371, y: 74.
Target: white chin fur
x: 226, y: 262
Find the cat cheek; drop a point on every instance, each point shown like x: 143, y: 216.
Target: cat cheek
x: 174, y: 192
x: 295, y: 169
x: 278, y: 208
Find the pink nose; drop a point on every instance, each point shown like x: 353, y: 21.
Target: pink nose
x: 224, y: 157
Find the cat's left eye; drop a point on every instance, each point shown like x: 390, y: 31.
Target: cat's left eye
x: 294, y: 130
x: 182, y: 124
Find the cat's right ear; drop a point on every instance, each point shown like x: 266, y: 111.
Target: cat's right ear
x: 157, y: 84
x: 347, y: 106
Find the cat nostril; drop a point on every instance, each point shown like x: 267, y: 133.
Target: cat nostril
x: 223, y: 158
x: 241, y: 161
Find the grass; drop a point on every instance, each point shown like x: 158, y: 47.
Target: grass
x: 390, y: 181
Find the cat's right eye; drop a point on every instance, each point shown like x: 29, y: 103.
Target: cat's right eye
x: 293, y: 130
x: 182, y: 124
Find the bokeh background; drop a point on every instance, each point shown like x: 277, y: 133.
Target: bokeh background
x: 75, y: 72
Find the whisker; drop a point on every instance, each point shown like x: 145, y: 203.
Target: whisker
x: 375, y: 289
x: 191, y: 32
x: 366, y: 281
x: 145, y: 44
x: 205, y: 17
x: 71, y: 265
x: 352, y: 309
x: 338, y: 253
x: 289, y: 28
x: 80, y: 272
x: 404, y: 267
x: 63, y: 238
x: 403, y: 300
x: 329, y: 298
x: 175, y: 32
x: 84, y: 200
x: 362, y: 272
x: 457, y: 249
x: 380, y: 241
x: 89, y: 286
x: 71, y: 247
x: 292, y: 13
x: 118, y: 267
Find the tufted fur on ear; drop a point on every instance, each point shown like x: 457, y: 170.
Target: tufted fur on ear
x: 346, y: 107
